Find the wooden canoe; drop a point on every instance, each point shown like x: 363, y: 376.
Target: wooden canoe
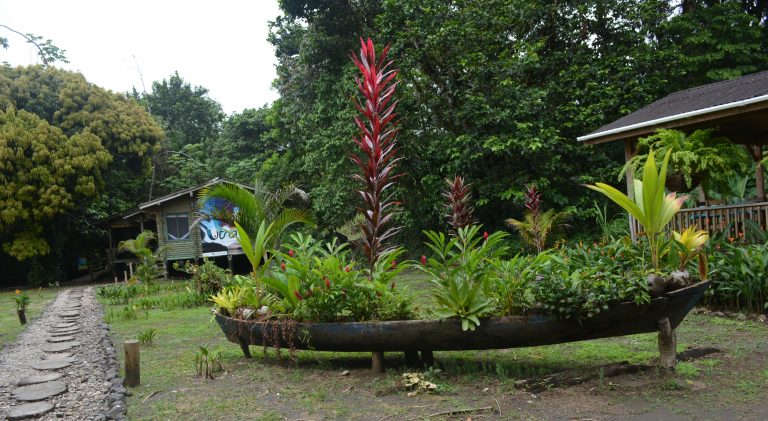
x: 445, y: 335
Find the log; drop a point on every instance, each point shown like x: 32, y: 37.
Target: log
x: 667, y: 344
x: 574, y: 377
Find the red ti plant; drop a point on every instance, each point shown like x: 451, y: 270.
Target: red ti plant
x: 377, y: 150
x: 458, y: 203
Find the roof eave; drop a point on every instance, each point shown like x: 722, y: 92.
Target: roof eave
x: 648, y: 127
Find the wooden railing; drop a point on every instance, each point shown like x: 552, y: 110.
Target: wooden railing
x: 716, y: 218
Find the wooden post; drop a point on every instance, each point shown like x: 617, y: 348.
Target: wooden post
x: 667, y: 344
x: 412, y: 359
x: 629, y: 152
x: 377, y: 362
x: 132, y: 366
x: 759, y: 174
x: 427, y: 358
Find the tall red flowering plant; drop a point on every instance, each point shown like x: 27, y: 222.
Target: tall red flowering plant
x: 459, y: 204
x: 377, y: 129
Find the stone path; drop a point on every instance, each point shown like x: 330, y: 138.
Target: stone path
x: 63, y: 366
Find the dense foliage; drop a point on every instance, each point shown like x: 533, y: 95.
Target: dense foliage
x: 65, y: 142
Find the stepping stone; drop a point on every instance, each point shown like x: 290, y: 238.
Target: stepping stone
x: 52, y: 364
x: 40, y: 391
x: 63, y: 346
x: 60, y: 334
x: 28, y: 410
x: 65, y: 325
x: 42, y: 378
x: 69, y: 314
x: 56, y: 339
x: 56, y: 356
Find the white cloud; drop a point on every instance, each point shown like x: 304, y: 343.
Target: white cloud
x: 219, y: 45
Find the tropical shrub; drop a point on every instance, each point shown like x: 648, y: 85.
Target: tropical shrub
x: 740, y: 277
x: 536, y: 224
x: 208, y: 277
x: 461, y: 271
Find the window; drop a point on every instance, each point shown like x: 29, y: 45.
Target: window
x: 177, y: 226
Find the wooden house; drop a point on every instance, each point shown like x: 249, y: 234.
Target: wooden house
x: 737, y: 109
x: 175, y: 220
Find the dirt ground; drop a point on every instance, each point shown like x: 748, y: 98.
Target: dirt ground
x: 727, y: 385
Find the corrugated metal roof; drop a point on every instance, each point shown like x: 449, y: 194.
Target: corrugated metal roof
x: 714, y: 96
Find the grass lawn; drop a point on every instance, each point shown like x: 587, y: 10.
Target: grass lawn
x: 318, y: 387
x: 9, y: 321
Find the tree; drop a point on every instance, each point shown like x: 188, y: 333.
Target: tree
x: 48, y: 52
x: 186, y: 113
x: 43, y: 173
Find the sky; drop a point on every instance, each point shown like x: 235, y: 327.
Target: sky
x: 221, y: 46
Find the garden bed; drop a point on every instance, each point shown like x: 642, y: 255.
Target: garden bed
x: 493, y: 333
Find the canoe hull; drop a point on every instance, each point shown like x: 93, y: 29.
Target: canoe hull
x: 436, y: 335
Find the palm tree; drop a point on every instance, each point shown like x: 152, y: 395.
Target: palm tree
x: 258, y: 205
x: 146, y: 270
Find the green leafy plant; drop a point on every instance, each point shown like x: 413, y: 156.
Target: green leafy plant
x: 208, y: 277
x: 649, y: 206
x: 461, y: 269
x: 698, y: 158
x: 146, y: 269
x: 740, y: 281
x: 22, y: 300
x: 147, y: 337
x: 207, y: 362
x: 256, y: 207
x: 536, y: 225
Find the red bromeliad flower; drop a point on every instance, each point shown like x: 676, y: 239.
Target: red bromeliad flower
x: 532, y: 199
x: 459, y: 203
x: 298, y: 295
x: 282, y: 266
x: 290, y: 253
x: 346, y: 268
x: 327, y: 283
x: 394, y: 264
x: 377, y: 129
x: 485, y: 235
x: 423, y: 260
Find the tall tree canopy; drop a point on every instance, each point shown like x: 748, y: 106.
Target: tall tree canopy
x: 494, y: 90
x: 71, y: 153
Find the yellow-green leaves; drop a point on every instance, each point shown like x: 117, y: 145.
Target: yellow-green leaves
x: 650, y: 207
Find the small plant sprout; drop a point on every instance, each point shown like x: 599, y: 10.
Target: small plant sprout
x: 207, y: 362
x: 147, y: 337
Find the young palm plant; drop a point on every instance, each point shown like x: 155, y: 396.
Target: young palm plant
x: 146, y: 269
x: 536, y: 225
x: 258, y: 206
x: 650, y: 206
x: 377, y: 130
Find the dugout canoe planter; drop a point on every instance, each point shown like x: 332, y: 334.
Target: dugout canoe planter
x: 663, y: 314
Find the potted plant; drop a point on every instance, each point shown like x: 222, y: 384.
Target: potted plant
x: 22, y: 301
